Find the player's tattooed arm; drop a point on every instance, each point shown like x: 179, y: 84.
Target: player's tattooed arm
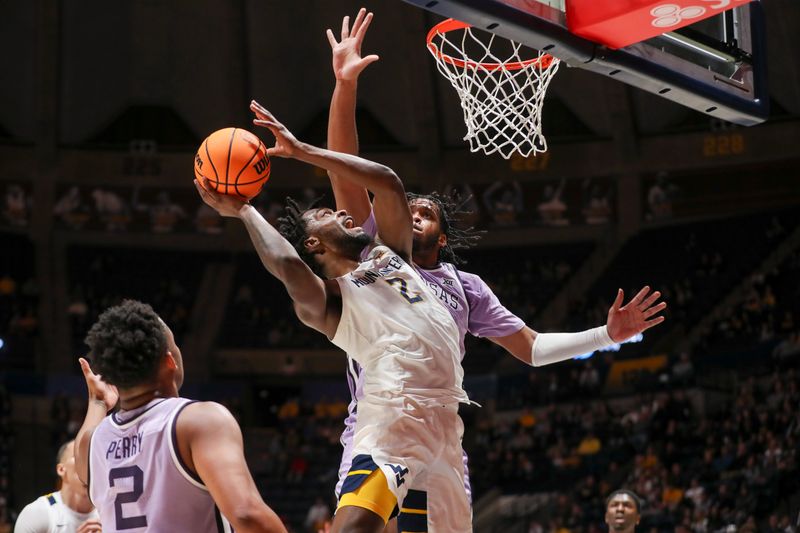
x: 342, y: 132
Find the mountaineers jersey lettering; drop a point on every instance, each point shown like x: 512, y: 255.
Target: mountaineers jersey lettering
x: 370, y: 276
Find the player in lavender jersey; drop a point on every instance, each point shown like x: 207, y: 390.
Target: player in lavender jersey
x: 473, y: 305
x: 161, y: 463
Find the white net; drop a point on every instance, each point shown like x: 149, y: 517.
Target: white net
x: 501, y: 93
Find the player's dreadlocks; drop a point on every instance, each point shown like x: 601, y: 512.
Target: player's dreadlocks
x: 293, y: 228
x: 127, y: 343
x: 451, y: 209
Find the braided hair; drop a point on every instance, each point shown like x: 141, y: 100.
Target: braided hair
x: 451, y: 208
x: 293, y: 228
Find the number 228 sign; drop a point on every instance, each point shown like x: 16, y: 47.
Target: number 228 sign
x: 668, y: 15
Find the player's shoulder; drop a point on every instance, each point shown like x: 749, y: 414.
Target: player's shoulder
x: 470, y: 280
x: 198, y: 416
x: 34, y: 517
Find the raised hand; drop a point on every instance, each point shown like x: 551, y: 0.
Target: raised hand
x: 347, y: 60
x: 99, y: 390
x: 286, y: 144
x: 224, y: 204
x: 626, y: 321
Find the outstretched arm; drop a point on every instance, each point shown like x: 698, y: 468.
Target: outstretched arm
x: 102, y: 398
x: 624, y: 322
x: 342, y: 133
x: 210, y: 443
x: 306, y: 289
x: 391, y: 207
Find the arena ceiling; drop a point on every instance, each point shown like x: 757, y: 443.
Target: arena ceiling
x: 176, y: 70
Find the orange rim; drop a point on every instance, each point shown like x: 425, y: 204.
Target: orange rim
x: 451, y: 25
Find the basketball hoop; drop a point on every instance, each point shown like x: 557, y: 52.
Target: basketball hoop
x: 502, y: 99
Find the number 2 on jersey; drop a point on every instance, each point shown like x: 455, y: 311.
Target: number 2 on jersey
x: 401, y: 285
x: 137, y: 476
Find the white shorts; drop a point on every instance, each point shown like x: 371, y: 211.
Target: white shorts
x: 418, y: 448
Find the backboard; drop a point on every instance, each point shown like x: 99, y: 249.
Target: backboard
x: 716, y: 66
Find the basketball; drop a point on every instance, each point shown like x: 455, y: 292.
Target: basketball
x: 234, y: 161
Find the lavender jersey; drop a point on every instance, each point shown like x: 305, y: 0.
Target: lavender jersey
x: 474, y: 307
x: 137, y: 480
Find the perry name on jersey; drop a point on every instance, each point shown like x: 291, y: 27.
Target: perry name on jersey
x: 125, y: 447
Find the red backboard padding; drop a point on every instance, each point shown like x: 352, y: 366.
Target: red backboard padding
x: 619, y: 23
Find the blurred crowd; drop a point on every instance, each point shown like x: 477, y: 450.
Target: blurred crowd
x: 691, y: 265
x: 101, y: 277
x: 723, y: 468
x: 770, y: 312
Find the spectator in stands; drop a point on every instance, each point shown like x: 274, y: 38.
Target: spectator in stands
x: 71, y: 208
x: 660, y: 197
x: 590, y: 445
x: 683, y: 370
x: 503, y: 201
x: 111, y: 209
x: 787, y: 348
x: 165, y: 214
x: 597, y: 204
x: 318, y: 514
x: 552, y: 208
x: 16, y: 206
x: 207, y: 221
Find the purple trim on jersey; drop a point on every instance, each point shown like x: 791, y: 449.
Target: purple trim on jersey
x: 173, y: 431
x: 88, y: 467
x: 115, y: 416
x: 218, y: 519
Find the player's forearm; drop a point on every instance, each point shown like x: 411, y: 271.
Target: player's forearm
x: 375, y: 177
x: 343, y: 137
x: 257, y: 519
x: 95, y: 413
x: 276, y: 253
x: 342, y: 132
x: 549, y: 348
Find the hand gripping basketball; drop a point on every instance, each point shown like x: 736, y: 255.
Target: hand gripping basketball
x: 224, y: 204
x: 286, y: 144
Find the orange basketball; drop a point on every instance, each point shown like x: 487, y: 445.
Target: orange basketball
x: 234, y: 161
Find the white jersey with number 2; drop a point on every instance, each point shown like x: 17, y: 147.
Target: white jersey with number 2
x: 393, y: 325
